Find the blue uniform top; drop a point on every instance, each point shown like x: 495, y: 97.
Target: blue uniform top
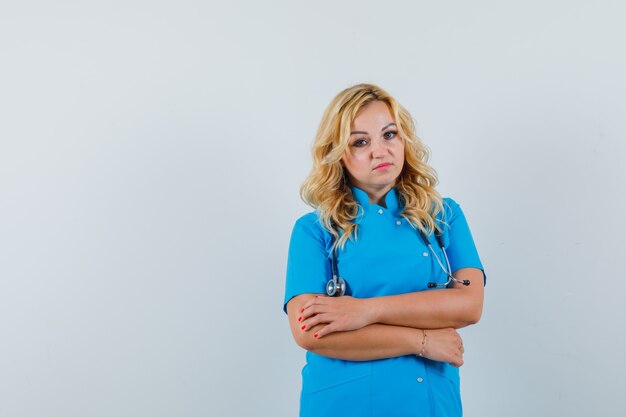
x: 388, y: 258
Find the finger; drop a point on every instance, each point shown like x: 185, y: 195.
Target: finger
x: 309, y: 311
x: 326, y: 330
x: 312, y: 311
x: 308, y: 304
x: 456, y: 359
x: 315, y: 320
x: 306, y: 307
x: 457, y: 363
x: 315, y: 300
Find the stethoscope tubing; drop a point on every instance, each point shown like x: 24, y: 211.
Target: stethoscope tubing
x: 447, y: 271
x: 336, y: 287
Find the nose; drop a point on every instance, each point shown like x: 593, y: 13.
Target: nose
x: 379, y: 148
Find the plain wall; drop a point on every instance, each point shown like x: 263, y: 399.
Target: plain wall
x: 151, y: 155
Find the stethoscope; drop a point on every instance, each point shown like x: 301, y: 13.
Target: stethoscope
x: 336, y: 287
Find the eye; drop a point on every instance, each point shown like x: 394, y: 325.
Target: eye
x: 359, y: 142
x: 390, y: 135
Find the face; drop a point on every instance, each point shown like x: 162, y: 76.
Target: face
x: 375, y: 154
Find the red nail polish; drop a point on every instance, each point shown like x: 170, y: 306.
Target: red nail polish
x: 303, y: 326
x: 315, y: 335
x: 299, y: 318
x: 302, y: 311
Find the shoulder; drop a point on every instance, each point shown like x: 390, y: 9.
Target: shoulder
x: 309, y: 221
x: 311, y: 225
x: 451, y: 208
x: 308, y: 230
x: 450, y: 201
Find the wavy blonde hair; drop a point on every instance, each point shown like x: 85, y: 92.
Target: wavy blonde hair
x: 327, y: 187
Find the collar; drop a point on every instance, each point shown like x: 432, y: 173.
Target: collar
x: 391, y: 201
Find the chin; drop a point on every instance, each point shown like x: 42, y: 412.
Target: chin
x: 390, y: 178
x: 385, y: 184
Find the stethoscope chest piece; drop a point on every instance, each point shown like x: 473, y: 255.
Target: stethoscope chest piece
x: 336, y: 287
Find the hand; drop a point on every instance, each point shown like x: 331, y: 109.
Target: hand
x: 337, y: 313
x: 444, y: 345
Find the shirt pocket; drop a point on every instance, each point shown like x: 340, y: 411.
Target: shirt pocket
x: 444, y: 382
x: 443, y: 369
x: 315, y: 380
x: 336, y: 392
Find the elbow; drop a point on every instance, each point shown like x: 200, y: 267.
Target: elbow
x: 474, y: 315
x: 306, y: 341
x: 294, y: 308
x: 301, y: 340
x: 471, y: 316
x: 472, y: 308
x: 472, y: 320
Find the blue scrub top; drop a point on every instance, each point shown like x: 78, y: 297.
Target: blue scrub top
x: 388, y: 258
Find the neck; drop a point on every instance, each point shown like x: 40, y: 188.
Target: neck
x: 377, y: 196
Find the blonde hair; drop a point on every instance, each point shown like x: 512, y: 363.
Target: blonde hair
x: 327, y: 189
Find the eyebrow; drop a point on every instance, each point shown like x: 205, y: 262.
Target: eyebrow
x: 360, y: 132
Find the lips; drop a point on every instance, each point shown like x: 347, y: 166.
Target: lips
x: 383, y: 165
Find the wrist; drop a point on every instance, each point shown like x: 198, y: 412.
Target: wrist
x: 422, y: 351
x: 416, y: 341
x: 418, y: 346
x: 372, y: 313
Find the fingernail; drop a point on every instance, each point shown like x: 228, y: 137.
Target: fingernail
x: 299, y: 318
x: 303, y: 326
x: 302, y: 311
x: 315, y: 335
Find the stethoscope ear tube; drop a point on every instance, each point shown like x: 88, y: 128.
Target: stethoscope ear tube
x: 448, y: 270
x: 337, y: 287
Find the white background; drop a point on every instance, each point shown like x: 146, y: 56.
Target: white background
x: 151, y: 154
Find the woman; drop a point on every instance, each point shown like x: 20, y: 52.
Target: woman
x: 388, y: 347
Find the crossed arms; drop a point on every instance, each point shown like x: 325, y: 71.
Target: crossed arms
x: 361, y: 329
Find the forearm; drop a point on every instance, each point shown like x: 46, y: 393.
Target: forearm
x: 426, y: 309
x: 356, y: 340
x: 368, y: 342
x: 376, y: 341
x: 433, y: 309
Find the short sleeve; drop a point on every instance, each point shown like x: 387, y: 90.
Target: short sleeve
x: 461, y: 250
x: 308, y: 262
